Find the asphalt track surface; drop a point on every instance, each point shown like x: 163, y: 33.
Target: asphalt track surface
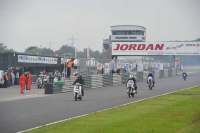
x: 23, y: 114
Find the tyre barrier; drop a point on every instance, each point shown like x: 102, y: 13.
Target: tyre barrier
x: 139, y: 76
x: 170, y: 73
x: 103, y: 80
x: 161, y: 72
x: 48, y: 88
x: 57, y: 89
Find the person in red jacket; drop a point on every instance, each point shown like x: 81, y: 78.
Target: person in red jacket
x: 22, y: 82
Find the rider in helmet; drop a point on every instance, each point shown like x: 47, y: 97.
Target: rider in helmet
x: 80, y: 81
x: 184, y: 74
x: 151, y: 75
x: 72, y: 59
x: 131, y: 77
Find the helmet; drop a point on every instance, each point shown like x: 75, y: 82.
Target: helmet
x: 131, y: 76
x: 79, y: 77
x: 72, y: 59
x: 150, y: 72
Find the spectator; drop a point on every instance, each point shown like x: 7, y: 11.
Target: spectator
x: 29, y: 80
x: 17, y: 78
x: 70, y: 64
x: 12, y: 77
x: 102, y: 71
x: 22, y: 82
x: 26, y: 81
x: 118, y: 71
x: 5, y: 76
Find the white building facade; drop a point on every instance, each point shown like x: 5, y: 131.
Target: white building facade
x: 125, y: 33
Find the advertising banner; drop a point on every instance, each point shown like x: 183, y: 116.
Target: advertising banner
x: 106, y: 67
x: 119, y: 65
x: 155, y: 48
x: 123, y: 65
x: 114, y: 65
x: 99, y: 66
x: 159, y: 66
x: 134, y: 66
x: 127, y: 66
x: 37, y: 59
x: 145, y: 65
x: 130, y: 67
x: 140, y: 67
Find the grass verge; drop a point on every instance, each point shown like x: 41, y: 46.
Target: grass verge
x: 174, y: 113
x: 191, y: 69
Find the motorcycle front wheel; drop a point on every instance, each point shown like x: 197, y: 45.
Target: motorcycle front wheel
x: 149, y: 86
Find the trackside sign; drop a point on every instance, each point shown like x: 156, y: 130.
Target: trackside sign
x: 156, y: 48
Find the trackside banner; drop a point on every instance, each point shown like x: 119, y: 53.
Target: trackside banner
x: 156, y: 48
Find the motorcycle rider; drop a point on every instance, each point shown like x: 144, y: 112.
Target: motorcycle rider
x: 80, y: 81
x: 51, y: 78
x: 131, y: 77
x: 39, y: 81
x: 184, y: 74
x: 151, y: 75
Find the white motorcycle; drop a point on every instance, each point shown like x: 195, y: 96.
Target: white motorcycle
x: 150, y: 83
x: 130, y: 88
x: 78, y: 91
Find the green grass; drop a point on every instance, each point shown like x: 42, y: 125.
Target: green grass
x: 191, y: 69
x: 174, y: 113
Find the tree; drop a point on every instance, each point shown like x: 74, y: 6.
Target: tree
x: 198, y: 39
x: 93, y: 54
x: 2, y: 47
x: 41, y: 51
x: 47, y: 51
x: 32, y: 50
x: 65, y: 49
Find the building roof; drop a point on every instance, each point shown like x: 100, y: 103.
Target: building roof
x: 128, y: 25
x: 18, y: 53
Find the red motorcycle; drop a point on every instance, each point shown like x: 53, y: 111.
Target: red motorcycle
x: 130, y: 89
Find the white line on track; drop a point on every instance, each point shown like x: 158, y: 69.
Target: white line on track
x: 21, y: 97
x: 107, y: 109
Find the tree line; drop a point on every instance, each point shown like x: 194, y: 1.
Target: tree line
x: 47, y: 51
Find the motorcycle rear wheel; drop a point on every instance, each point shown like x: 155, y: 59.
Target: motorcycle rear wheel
x: 129, y: 92
x: 75, y: 97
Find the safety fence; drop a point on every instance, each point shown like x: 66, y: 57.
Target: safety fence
x: 103, y: 80
x: 108, y: 66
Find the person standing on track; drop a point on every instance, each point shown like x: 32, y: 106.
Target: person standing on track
x: 29, y: 80
x: 22, y: 82
x: 70, y: 64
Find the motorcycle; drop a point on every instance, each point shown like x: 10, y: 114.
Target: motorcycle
x: 184, y: 77
x: 130, y: 89
x: 150, y: 83
x: 39, y: 83
x: 78, y: 91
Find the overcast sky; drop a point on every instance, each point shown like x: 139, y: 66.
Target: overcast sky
x: 25, y: 23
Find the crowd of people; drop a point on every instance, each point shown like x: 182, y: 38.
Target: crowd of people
x: 24, y: 80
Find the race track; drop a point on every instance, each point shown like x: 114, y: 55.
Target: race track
x: 24, y: 114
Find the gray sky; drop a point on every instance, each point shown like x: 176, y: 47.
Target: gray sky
x: 25, y: 23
